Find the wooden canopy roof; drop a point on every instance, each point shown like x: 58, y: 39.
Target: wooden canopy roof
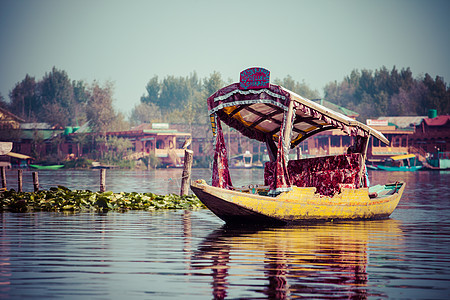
x: 259, y: 113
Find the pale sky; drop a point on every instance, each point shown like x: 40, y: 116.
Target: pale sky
x: 128, y: 42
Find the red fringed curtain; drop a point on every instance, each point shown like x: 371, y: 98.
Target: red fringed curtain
x: 221, y: 174
x: 281, y: 181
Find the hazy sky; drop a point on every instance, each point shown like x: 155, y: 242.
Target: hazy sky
x: 129, y: 42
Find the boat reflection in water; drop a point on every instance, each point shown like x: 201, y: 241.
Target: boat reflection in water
x: 315, y: 261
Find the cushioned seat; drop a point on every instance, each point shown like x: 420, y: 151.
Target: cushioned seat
x: 328, y: 174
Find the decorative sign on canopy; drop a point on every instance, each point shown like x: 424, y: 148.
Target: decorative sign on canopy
x: 254, y: 78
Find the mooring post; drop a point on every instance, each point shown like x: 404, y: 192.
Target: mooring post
x: 19, y: 180
x: 186, y: 177
x: 102, y: 180
x: 3, y: 178
x: 36, y: 181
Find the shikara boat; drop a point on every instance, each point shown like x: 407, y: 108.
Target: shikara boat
x: 312, y: 189
x: 48, y: 167
x: 407, y: 162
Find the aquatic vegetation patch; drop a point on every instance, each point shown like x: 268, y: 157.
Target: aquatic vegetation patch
x: 63, y: 199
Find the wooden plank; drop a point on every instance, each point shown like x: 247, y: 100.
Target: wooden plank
x: 186, y: 175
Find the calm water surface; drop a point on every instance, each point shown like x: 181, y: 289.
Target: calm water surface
x: 193, y: 255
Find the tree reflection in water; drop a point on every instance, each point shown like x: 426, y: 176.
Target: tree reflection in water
x: 316, y: 261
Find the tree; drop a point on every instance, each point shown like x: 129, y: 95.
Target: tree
x: 100, y: 111
x: 3, y: 103
x: 383, y: 93
x: 56, y: 90
x: 341, y: 94
x: 407, y: 101
x: 297, y: 87
x: 117, y: 147
x: 153, y: 89
x: 145, y: 113
x: 54, y: 114
x: 81, y: 97
x: 438, y: 96
x: 24, y: 99
x: 213, y: 83
x: 119, y: 123
x: 174, y: 93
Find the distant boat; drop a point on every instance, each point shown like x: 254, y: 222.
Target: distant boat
x: 407, y: 162
x: 439, y: 160
x: 49, y: 167
x: 242, y: 161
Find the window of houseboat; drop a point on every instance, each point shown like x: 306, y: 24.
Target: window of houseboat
x: 160, y: 144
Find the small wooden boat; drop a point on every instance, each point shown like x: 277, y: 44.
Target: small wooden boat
x: 312, y: 189
x: 407, y: 162
x: 299, y: 205
x: 49, y: 167
x: 242, y: 161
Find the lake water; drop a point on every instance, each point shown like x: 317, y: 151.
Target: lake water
x: 192, y: 255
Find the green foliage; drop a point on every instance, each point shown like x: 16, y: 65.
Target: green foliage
x: 24, y: 99
x: 153, y: 89
x: 213, y: 83
x: 177, y: 98
x: 389, y: 93
x: 145, y: 112
x: 151, y: 161
x: 78, y: 163
x: 99, y: 109
x: 62, y: 199
x: 203, y: 162
x: 3, y: 103
x: 116, y: 148
x: 58, y: 101
x: 171, y: 93
x: 297, y: 87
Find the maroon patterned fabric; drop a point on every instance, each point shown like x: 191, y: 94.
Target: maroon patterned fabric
x: 353, y: 131
x: 232, y: 95
x: 327, y: 174
x: 221, y: 174
x: 280, y: 182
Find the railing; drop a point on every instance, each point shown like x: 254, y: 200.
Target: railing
x: 419, y: 152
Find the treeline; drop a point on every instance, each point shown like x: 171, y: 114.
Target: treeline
x: 389, y: 93
x: 59, y: 101
x: 183, y: 99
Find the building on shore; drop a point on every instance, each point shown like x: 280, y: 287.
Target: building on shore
x: 421, y: 135
x: 156, y: 139
x: 432, y: 134
x: 36, y: 141
x: 398, y: 130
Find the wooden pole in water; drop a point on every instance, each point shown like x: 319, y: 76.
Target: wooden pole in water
x: 102, y: 180
x: 186, y: 177
x: 19, y: 180
x: 36, y: 181
x: 3, y: 178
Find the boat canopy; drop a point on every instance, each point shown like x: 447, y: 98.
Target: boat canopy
x: 19, y: 156
x: 259, y: 113
x: 400, y: 157
x: 278, y: 117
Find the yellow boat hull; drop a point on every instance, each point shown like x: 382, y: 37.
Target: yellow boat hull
x: 299, y: 205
